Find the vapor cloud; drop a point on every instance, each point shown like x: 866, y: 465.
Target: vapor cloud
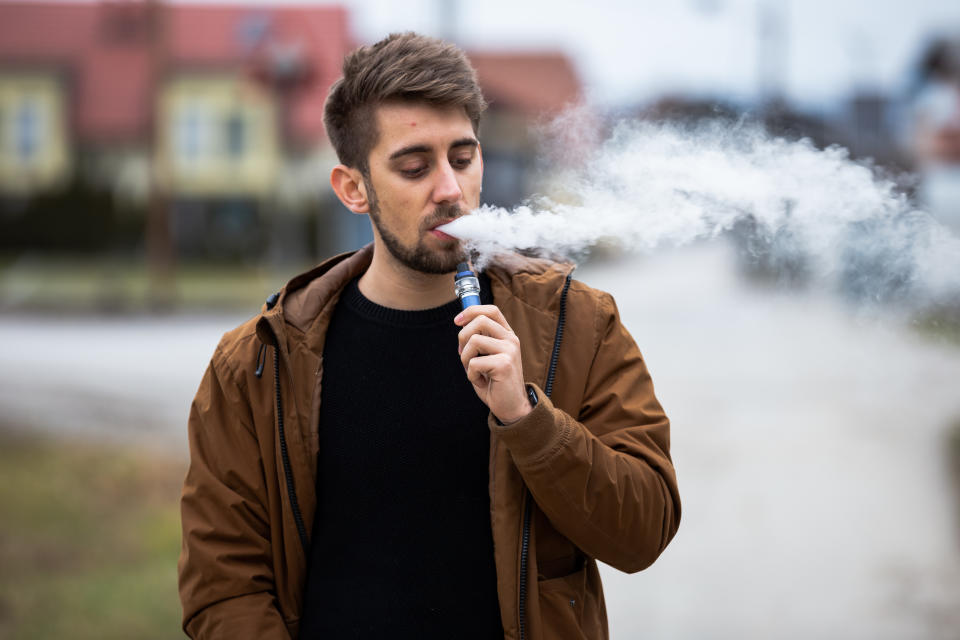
x: 650, y: 186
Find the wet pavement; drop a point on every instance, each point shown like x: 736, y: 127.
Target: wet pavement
x: 809, y: 442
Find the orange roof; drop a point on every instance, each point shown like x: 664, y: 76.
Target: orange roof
x: 535, y: 83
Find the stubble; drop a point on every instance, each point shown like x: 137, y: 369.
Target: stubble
x: 420, y: 257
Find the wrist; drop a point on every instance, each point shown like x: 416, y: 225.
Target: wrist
x: 532, y: 401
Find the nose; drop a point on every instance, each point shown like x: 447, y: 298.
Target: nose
x: 447, y: 187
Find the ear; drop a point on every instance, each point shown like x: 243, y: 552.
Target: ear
x: 348, y: 184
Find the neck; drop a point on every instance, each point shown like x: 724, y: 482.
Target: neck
x: 393, y: 285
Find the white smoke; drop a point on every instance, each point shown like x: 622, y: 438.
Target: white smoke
x: 651, y: 185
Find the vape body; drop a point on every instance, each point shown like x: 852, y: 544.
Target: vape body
x: 466, y: 285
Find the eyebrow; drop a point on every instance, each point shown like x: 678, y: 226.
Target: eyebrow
x: 422, y: 148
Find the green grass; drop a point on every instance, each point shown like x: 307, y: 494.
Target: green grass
x: 940, y: 324
x: 89, y: 538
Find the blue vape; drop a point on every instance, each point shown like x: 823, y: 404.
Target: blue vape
x: 466, y: 285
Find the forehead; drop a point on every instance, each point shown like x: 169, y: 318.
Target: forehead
x: 402, y: 123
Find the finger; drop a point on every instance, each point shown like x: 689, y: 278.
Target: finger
x: 484, y: 369
x: 483, y: 325
x: 483, y: 346
x: 491, y: 311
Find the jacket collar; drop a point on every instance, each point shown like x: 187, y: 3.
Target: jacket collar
x: 310, y: 297
x: 535, y: 281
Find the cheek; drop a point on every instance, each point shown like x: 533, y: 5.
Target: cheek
x: 472, y: 188
x: 390, y: 192
x: 401, y: 207
x: 398, y: 201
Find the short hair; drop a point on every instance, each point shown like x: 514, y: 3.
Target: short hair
x: 402, y: 67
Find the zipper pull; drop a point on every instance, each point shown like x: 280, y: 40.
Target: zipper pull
x: 261, y: 358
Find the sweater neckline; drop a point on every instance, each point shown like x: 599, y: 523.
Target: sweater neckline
x: 369, y: 309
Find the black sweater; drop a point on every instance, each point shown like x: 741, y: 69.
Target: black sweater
x: 402, y: 544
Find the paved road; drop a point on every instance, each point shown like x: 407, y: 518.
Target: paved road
x: 809, y: 444
x: 128, y: 378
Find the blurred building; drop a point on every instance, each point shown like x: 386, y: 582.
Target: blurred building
x: 523, y: 89
x: 212, y: 115
x: 934, y: 128
x: 218, y: 108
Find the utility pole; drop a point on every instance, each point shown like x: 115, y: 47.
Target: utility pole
x: 772, y: 47
x: 159, y: 241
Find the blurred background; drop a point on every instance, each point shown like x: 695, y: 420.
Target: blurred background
x: 163, y: 168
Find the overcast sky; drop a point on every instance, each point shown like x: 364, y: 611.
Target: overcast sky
x: 627, y: 51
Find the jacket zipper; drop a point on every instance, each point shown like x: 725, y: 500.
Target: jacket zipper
x: 285, y: 458
x: 284, y: 455
x: 527, y: 498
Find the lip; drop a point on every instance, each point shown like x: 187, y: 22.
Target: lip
x: 441, y: 223
x: 440, y: 234
x: 436, y: 233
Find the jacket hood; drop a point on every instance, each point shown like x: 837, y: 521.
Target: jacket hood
x: 305, y: 297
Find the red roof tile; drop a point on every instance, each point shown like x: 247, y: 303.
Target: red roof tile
x: 105, y: 51
x: 532, y: 82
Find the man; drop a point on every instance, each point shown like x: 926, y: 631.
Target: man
x: 404, y: 469
x: 935, y: 130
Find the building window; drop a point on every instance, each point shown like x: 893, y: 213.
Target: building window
x: 190, y: 133
x: 27, y: 130
x: 236, y: 135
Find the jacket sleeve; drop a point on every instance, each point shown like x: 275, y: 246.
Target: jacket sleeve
x: 605, y: 480
x: 226, y: 577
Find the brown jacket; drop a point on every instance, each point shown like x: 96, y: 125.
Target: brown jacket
x: 594, y: 456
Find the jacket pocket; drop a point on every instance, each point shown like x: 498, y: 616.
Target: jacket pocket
x: 562, y: 608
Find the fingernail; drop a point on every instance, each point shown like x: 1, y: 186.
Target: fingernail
x: 458, y: 318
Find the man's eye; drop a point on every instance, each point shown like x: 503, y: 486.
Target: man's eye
x: 413, y: 172
x: 462, y: 163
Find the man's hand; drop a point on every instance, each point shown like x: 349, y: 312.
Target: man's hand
x: 490, y: 353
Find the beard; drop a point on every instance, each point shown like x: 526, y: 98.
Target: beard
x: 420, y: 257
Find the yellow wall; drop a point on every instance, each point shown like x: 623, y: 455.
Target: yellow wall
x: 33, y: 139
x: 195, y: 156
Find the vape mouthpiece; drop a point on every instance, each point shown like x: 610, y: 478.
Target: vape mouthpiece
x: 466, y: 285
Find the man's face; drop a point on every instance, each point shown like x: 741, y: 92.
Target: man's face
x: 425, y: 170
